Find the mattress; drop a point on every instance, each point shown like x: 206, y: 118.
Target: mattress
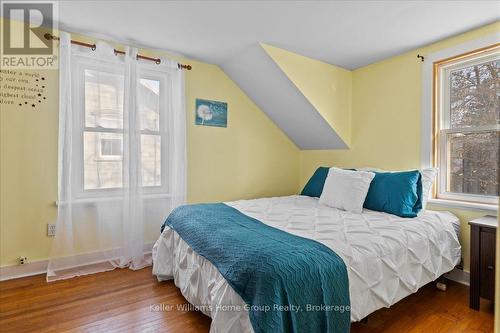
x: 387, y: 257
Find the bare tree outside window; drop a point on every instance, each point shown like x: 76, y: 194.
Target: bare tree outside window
x: 474, y: 103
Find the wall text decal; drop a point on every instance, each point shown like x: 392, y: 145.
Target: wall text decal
x: 22, y: 89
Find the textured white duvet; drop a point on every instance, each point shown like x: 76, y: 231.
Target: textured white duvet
x: 387, y: 257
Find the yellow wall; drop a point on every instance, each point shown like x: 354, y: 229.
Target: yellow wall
x: 250, y: 158
x: 386, y: 110
x: 28, y: 176
x: 328, y: 88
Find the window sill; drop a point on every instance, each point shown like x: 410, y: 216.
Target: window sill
x: 464, y: 205
x: 100, y: 199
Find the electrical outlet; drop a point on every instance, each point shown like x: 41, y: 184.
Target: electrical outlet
x: 51, y: 230
x: 22, y: 260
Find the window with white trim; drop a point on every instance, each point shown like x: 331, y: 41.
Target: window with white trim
x: 467, y: 131
x: 102, y: 109
x: 99, y: 96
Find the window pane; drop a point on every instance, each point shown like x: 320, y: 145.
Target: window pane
x: 103, y: 99
x: 149, y: 104
x: 475, y: 95
x: 473, y: 163
x: 111, y: 147
x: 151, y: 160
x: 102, y: 160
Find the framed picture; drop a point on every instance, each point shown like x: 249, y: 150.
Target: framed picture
x: 210, y: 113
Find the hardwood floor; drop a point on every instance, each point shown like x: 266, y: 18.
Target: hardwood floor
x: 120, y: 301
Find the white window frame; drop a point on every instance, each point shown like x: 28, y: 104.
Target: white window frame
x: 432, y: 123
x: 442, y: 118
x: 79, y: 65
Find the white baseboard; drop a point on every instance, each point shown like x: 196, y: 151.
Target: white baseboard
x: 19, y: 271
x: 459, y: 276
x: 40, y: 266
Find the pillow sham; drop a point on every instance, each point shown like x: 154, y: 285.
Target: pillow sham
x: 314, y: 186
x: 346, y: 189
x: 428, y: 178
x: 397, y: 193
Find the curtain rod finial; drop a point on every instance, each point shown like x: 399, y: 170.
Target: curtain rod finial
x: 182, y: 66
x: 49, y: 36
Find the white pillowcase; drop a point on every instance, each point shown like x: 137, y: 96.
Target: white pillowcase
x: 428, y: 177
x: 346, y: 189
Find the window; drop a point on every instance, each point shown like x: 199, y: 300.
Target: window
x: 111, y: 147
x: 101, y: 95
x: 467, y: 132
x: 103, y: 130
x: 149, y: 113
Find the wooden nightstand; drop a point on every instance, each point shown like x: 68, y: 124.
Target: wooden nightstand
x: 482, y: 259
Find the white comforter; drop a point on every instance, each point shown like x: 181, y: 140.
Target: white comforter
x: 387, y: 257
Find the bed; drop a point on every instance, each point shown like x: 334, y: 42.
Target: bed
x: 387, y: 257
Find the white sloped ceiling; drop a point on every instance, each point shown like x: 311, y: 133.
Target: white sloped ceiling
x: 254, y: 71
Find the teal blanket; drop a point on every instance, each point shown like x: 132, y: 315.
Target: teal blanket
x: 290, y: 283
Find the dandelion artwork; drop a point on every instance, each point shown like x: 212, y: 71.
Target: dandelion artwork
x: 210, y: 113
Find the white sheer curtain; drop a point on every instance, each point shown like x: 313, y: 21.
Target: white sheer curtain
x: 122, y: 158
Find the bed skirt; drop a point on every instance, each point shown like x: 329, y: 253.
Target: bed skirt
x: 200, y: 283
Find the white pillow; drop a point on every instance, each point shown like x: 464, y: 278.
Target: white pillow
x: 346, y: 189
x: 428, y: 177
